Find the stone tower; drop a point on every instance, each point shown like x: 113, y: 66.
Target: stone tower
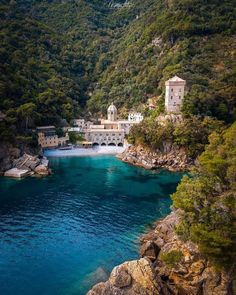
x: 174, y: 94
x: 112, y: 113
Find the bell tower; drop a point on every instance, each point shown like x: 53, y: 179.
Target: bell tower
x: 112, y: 113
x: 174, y: 94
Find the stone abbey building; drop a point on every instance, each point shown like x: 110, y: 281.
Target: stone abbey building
x: 111, y: 132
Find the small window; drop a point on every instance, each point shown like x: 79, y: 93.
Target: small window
x: 171, y: 97
x: 179, y: 97
x: 180, y: 90
x: 172, y: 89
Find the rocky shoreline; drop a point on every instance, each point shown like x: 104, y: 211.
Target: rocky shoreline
x: 153, y: 273
x: 18, y: 163
x: 171, y: 158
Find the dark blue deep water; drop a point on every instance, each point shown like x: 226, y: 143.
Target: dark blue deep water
x: 59, y: 234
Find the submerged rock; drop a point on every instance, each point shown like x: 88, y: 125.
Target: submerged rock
x: 95, y: 277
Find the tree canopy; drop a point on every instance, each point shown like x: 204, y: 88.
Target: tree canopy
x: 208, y: 200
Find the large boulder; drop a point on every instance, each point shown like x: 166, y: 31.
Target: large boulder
x: 135, y: 277
x: 150, y: 250
x: 41, y: 170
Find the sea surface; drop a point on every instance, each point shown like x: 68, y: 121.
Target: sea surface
x: 61, y: 234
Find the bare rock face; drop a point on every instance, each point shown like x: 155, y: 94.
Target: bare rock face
x: 191, y: 275
x: 150, y: 250
x: 41, y: 170
x: 7, y: 154
x: 135, y: 277
x: 171, y: 157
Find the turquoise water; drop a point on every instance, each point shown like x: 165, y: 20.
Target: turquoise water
x: 60, y: 234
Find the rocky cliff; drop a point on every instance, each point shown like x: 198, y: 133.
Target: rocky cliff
x: 171, y: 158
x: 168, y: 266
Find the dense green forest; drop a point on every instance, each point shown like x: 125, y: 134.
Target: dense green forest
x: 61, y: 59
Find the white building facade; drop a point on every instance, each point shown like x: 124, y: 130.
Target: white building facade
x: 111, y: 132
x: 174, y: 94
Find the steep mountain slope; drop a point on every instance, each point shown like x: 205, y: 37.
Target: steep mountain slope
x: 49, y: 51
x: 59, y: 58
x: 194, y: 39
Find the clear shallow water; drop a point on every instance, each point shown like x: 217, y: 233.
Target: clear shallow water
x: 56, y: 233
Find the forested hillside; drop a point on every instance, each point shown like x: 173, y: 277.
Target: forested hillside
x: 194, y: 39
x: 61, y: 59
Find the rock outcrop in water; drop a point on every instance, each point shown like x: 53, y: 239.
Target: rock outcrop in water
x: 192, y: 274
x: 171, y: 158
x: 19, y: 160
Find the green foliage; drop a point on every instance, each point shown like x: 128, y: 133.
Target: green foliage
x: 74, y: 137
x: 192, y: 134
x: 63, y: 56
x: 193, y: 39
x: 208, y: 200
x: 151, y: 134
x: 172, y: 257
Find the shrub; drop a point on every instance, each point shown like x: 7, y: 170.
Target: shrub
x: 208, y: 200
x: 172, y: 258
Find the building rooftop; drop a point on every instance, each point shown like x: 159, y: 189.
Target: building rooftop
x: 105, y: 130
x: 176, y: 79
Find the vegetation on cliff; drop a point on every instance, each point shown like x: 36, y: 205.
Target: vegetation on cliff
x: 59, y: 58
x: 192, y: 134
x: 194, y: 39
x: 208, y: 200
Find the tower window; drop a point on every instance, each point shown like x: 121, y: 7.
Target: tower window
x: 172, y: 89
x: 171, y: 97
x: 179, y: 97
